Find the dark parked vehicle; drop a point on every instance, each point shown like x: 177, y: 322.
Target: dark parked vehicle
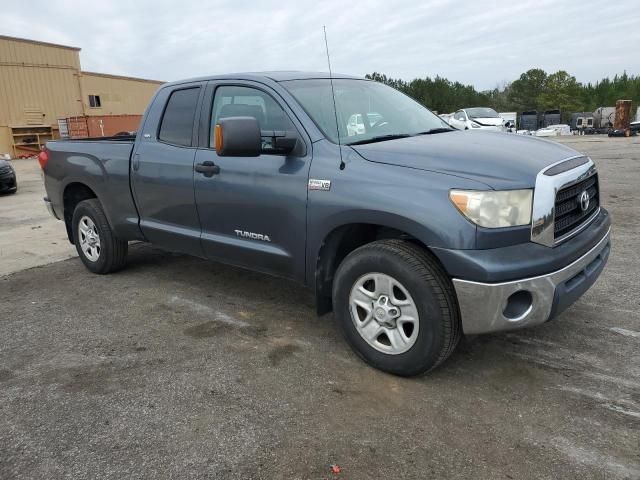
x: 411, y: 232
x: 604, y: 118
x: 529, y: 120
x: 582, y: 122
x: 550, y: 117
x: 8, y: 180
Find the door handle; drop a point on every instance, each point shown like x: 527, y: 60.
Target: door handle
x: 136, y: 162
x: 208, y: 168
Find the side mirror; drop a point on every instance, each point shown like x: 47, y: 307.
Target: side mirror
x: 282, y: 142
x: 238, y: 137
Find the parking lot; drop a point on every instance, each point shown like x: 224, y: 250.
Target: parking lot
x: 181, y: 368
x: 29, y: 236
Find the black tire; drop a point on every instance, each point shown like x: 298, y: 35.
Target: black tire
x: 439, y: 320
x: 113, y: 251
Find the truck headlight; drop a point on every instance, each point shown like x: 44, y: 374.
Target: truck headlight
x: 492, y: 209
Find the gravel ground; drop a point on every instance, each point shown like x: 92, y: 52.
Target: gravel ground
x: 181, y: 368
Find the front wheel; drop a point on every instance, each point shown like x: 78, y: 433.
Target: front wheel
x: 396, y: 307
x: 98, y: 247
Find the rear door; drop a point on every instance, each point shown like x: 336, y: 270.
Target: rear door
x: 253, y: 212
x: 162, y: 170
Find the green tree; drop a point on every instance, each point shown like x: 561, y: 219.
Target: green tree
x: 524, y: 92
x: 498, y: 98
x: 533, y: 90
x: 562, y: 91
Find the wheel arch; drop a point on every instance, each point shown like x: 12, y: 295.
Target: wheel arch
x: 345, y: 238
x: 74, y: 192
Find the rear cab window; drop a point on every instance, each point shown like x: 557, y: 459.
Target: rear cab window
x: 177, y: 122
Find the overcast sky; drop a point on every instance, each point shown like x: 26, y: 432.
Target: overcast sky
x: 475, y: 42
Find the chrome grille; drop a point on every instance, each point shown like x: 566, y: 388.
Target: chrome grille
x: 569, y: 214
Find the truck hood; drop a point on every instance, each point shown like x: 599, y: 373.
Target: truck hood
x: 499, y: 160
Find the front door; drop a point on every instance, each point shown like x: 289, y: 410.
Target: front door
x: 253, y: 210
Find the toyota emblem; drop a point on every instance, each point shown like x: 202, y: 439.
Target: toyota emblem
x: 583, y: 200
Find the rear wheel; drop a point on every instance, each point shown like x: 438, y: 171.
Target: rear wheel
x: 98, y: 247
x: 396, y: 307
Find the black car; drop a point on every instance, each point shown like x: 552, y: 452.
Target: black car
x: 8, y: 182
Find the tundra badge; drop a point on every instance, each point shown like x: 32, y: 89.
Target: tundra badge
x: 253, y: 236
x: 316, y: 184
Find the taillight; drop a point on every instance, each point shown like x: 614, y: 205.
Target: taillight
x: 43, y: 158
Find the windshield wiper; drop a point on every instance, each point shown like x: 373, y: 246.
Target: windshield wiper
x: 380, y: 138
x: 436, y: 130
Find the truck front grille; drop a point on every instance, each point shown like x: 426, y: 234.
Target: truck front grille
x: 569, y: 210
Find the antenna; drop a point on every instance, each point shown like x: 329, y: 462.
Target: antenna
x: 333, y: 95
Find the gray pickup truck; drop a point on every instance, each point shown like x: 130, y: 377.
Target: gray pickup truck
x: 412, y: 233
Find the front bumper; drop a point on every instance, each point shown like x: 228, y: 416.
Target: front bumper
x: 493, y: 307
x: 8, y: 182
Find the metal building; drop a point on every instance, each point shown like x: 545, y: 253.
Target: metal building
x: 45, y: 94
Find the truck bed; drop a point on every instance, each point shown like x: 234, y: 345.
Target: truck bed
x: 103, y: 165
x: 115, y: 138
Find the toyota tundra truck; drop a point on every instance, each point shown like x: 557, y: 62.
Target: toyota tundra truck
x: 412, y: 233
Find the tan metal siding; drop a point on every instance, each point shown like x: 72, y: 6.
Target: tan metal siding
x: 41, y: 82
x: 23, y: 90
x: 38, y: 84
x: 34, y: 53
x: 118, y: 96
x: 5, y: 140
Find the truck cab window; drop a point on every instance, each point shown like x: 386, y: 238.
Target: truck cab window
x: 177, y: 122
x: 232, y: 101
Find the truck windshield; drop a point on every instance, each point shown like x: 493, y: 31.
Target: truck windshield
x: 366, y: 110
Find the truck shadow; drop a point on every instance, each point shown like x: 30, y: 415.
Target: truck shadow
x: 227, y: 299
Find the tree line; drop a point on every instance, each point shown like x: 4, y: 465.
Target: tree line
x: 533, y: 90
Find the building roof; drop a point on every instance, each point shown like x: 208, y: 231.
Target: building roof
x: 38, y: 42
x: 122, y: 77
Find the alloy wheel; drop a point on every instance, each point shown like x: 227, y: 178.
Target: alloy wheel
x: 384, y: 313
x: 89, y: 238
